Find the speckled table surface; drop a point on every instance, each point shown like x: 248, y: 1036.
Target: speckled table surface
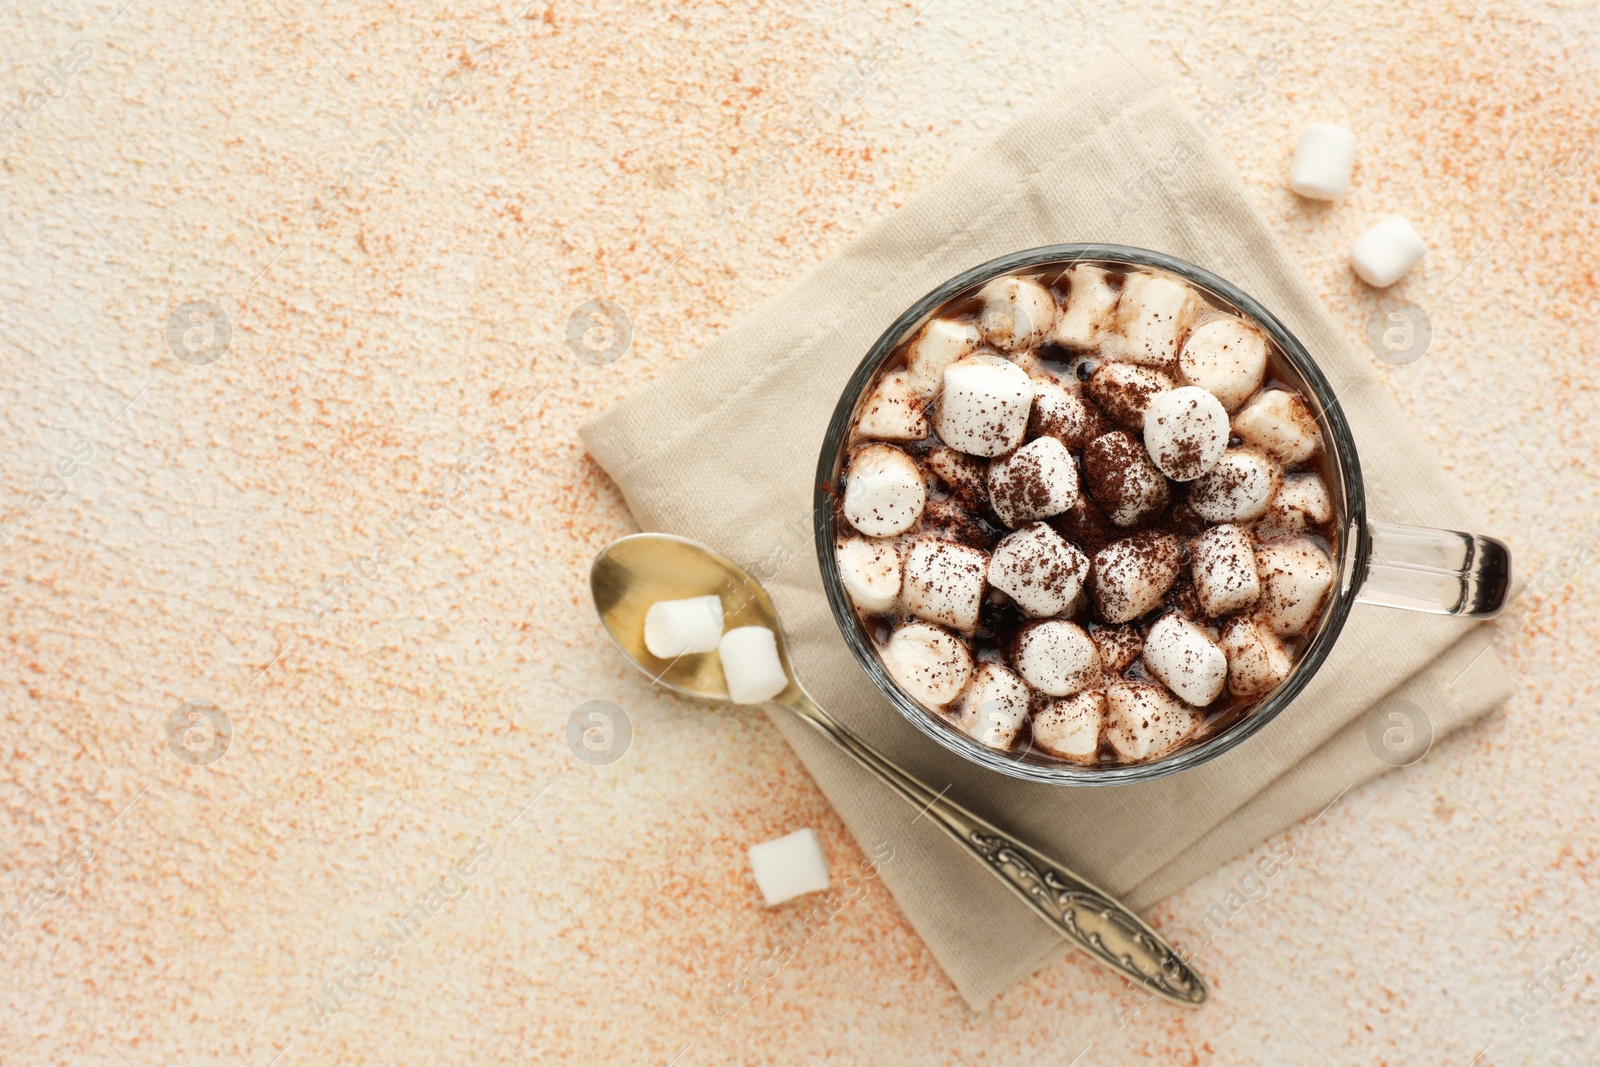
x: 294, y: 570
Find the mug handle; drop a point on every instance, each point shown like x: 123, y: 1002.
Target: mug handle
x: 1442, y: 572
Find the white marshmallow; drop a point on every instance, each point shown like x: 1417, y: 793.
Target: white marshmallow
x: 674, y: 628
x: 1224, y: 567
x: 789, y: 866
x: 1226, y: 357
x: 1182, y: 655
x: 1238, y: 488
x: 938, y: 344
x: 1295, y: 577
x: 1091, y: 306
x: 1129, y: 577
x: 1123, y: 479
x: 1060, y: 412
x: 994, y: 706
x: 930, y: 664
x: 1038, y: 480
x: 1386, y: 252
x: 1124, y: 391
x: 1039, y: 569
x: 944, y: 582
x: 892, y: 412
x: 1302, y: 498
x: 966, y: 477
x: 870, y: 573
x: 1257, y: 660
x: 1144, y: 721
x: 883, y: 491
x: 1055, y: 657
x: 1323, y: 161
x: 1119, y: 646
x: 1280, y: 423
x: 751, y: 664
x: 983, y: 410
x: 1018, y: 314
x: 1070, y: 728
x: 1185, y: 432
x: 1153, y: 315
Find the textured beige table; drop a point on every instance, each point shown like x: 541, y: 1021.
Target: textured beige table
x: 398, y: 282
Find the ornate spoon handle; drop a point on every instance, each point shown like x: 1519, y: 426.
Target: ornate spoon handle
x: 1078, y: 910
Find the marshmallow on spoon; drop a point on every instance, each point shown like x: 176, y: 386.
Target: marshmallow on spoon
x: 1280, y: 423
x: 893, y: 412
x: 1018, y: 314
x: 1091, y: 306
x: 789, y: 866
x: 1224, y: 568
x: 1323, y: 161
x: 674, y: 628
x: 1039, y: 569
x: 1181, y: 655
x: 1152, y: 316
x: 983, y: 410
x: 1257, y: 660
x: 1295, y: 577
x: 1129, y: 577
x: 1386, y: 252
x: 1038, y: 480
x: 939, y: 344
x: 870, y: 573
x: 994, y: 706
x: 1144, y: 721
x: 1185, y: 432
x: 930, y: 664
x: 1227, y: 357
x: 1238, y: 489
x: 944, y: 582
x: 883, y: 491
x: 1055, y: 657
x: 1070, y: 728
x: 751, y: 664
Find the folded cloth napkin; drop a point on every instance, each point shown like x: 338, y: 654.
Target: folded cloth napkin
x: 723, y: 448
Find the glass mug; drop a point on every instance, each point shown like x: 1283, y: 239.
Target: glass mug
x: 1442, y: 572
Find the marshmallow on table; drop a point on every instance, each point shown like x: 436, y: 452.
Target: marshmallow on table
x: 1017, y: 314
x: 1227, y: 357
x: 674, y: 628
x: 893, y: 412
x: 1144, y: 721
x: 1238, y: 489
x: 1119, y: 646
x: 1124, y: 391
x: 1039, y: 569
x: 1070, y: 728
x: 789, y: 866
x: 1129, y: 577
x: 1055, y: 657
x: 938, y: 344
x: 1302, y: 498
x: 1280, y: 423
x: 1182, y: 656
x: 883, y: 491
x: 1386, y: 252
x: 870, y: 573
x: 993, y: 707
x: 944, y: 582
x: 1060, y: 412
x: 1185, y: 432
x: 1322, y: 162
x: 1295, y: 577
x: 1257, y: 659
x: 983, y: 409
x: 1224, y: 568
x: 1153, y: 314
x: 929, y: 663
x: 751, y: 664
x: 1123, y: 480
x: 1038, y: 480
x: 1091, y: 306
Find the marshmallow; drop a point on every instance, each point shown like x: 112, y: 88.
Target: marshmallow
x: 1123, y: 480
x: 870, y: 573
x: 883, y: 491
x: 1036, y: 481
x: 944, y: 582
x: 1124, y: 391
x: 1154, y: 313
x: 674, y: 628
x: 983, y: 410
x: 994, y: 706
x: 1224, y: 568
x: 1237, y: 489
x: 967, y: 478
x: 1060, y: 412
x: 928, y: 663
x: 1055, y: 657
x: 1182, y: 655
x: 1144, y: 721
x: 1386, y: 252
x: 937, y: 345
x: 1227, y: 357
x: 1185, y: 432
x: 1070, y: 728
x: 892, y: 412
x: 1131, y: 576
x: 1039, y: 569
x: 1091, y: 305
x: 1119, y: 646
x: 1018, y: 314
x: 1322, y: 162
x: 789, y: 866
x: 948, y: 520
x: 1295, y: 577
x: 1257, y: 660
x: 751, y: 664
x: 1279, y: 422
x: 1303, y: 498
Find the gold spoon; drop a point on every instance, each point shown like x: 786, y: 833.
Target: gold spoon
x: 631, y: 574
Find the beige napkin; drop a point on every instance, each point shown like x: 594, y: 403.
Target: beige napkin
x: 723, y: 448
